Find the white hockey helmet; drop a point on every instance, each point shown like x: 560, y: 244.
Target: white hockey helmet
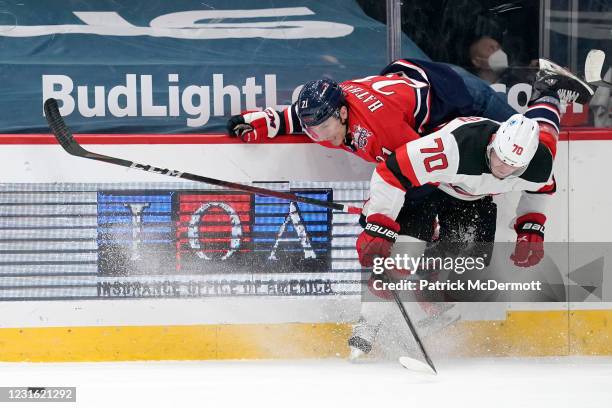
x: 516, y: 141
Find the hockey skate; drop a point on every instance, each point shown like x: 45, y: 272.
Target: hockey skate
x: 361, y: 339
x: 553, y: 79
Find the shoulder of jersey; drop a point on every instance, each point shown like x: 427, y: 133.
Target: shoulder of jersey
x: 540, y: 167
x: 472, y: 136
x: 470, y: 120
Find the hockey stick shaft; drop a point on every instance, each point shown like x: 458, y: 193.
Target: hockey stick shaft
x: 408, y: 321
x: 602, y: 83
x: 66, y: 140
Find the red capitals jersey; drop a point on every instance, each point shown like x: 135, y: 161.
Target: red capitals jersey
x: 383, y: 113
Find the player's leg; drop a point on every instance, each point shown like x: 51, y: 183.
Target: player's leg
x: 467, y: 230
x: 421, y: 221
x: 417, y: 219
x: 486, y: 225
x: 551, y: 78
x: 372, y: 315
x: 487, y: 102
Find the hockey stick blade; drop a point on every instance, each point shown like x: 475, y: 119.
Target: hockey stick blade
x: 593, y: 67
x: 60, y: 130
x: 413, y: 364
x: 68, y: 142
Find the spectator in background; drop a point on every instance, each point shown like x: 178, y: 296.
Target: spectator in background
x: 490, y: 63
x: 488, y: 59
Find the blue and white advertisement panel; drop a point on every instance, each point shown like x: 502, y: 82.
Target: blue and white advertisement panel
x: 175, y: 67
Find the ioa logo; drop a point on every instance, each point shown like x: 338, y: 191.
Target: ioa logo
x: 192, y: 231
x: 184, y: 25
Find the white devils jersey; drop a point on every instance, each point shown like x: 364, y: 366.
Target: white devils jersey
x: 454, y: 159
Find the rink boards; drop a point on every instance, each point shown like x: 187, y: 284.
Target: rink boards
x: 87, y: 274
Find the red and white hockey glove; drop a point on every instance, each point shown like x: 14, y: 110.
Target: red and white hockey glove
x: 254, y: 126
x: 529, y: 249
x: 377, y: 238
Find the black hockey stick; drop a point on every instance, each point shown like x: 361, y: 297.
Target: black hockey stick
x: 593, y: 67
x: 409, y: 362
x: 66, y: 140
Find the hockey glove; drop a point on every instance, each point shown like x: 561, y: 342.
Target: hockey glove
x: 529, y: 249
x: 254, y: 127
x: 377, y: 238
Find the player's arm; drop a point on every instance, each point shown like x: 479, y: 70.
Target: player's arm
x: 531, y: 210
x: 545, y: 110
x: 423, y: 161
x: 529, y: 224
x: 261, y: 126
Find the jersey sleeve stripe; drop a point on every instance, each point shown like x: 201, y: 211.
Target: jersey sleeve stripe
x: 544, y: 112
x: 389, y: 177
x: 417, y: 107
x: 424, y: 111
x: 288, y: 121
x: 405, y: 166
x: 549, y: 188
x: 293, y: 121
x: 545, y: 105
x: 415, y: 72
x: 552, y: 123
x: 422, y: 94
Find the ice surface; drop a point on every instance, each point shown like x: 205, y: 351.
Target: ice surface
x: 474, y: 383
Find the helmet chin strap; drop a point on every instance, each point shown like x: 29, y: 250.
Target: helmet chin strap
x: 348, y: 137
x: 348, y: 141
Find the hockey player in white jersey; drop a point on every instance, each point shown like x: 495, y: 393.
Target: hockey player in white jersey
x: 469, y: 160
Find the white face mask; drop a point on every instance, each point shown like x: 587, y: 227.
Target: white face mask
x: 498, y: 61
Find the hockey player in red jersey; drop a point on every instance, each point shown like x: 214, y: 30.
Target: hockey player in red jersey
x: 373, y: 116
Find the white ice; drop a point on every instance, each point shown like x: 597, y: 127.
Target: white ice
x: 474, y: 383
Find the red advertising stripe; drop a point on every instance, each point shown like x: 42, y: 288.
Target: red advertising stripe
x: 120, y: 139
x: 576, y: 134
x: 218, y: 138
x: 200, y: 198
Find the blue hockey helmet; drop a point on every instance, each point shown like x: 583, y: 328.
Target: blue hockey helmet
x: 319, y: 100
